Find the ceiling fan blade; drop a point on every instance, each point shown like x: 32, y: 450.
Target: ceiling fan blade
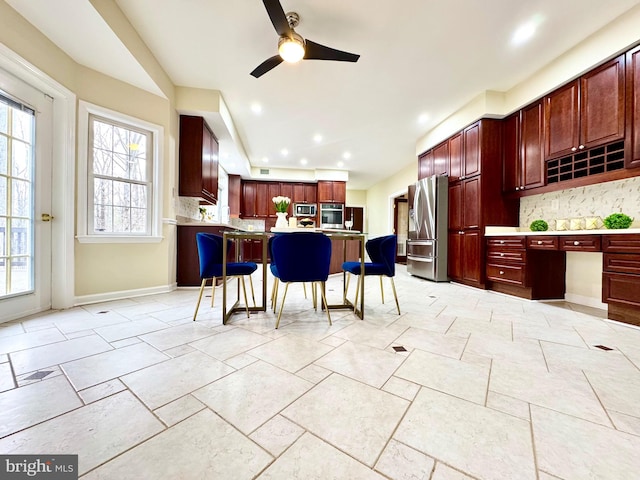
x: 268, y: 64
x: 278, y: 17
x: 315, y: 51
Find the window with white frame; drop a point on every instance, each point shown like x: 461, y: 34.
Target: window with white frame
x: 119, y: 158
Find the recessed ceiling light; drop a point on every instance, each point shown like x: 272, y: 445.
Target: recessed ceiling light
x: 303, y: 161
x: 256, y: 108
x: 284, y: 152
x: 317, y: 138
x: 265, y: 160
x: 526, y: 31
x: 423, y: 118
x: 341, y: 164
x: 346, y: 155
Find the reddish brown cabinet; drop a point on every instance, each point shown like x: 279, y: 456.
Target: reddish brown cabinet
x: 455, y: 157
x: 621, y: 277
x: 235, y: 195
x: 471, y: 156
x: 523, y: 156
x: 425, y: 165
x: 632, y: 154
x: 198, y: 159
x: 332, y: 191
x: 587, y: 112
x: 441, y: 159
x: 248, y: 200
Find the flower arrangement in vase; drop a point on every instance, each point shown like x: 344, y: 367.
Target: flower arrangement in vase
x: 281, y: 204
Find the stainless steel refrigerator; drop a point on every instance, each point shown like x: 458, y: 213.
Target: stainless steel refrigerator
x: 428, y: 224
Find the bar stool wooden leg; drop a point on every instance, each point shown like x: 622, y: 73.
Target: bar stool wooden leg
x: 393, y: 285
x: 244, y: 289
x: 202, y: 285
x: 253, y: 296
x: 286, y: 287
x: 381, y: 289
x: 324, y: 299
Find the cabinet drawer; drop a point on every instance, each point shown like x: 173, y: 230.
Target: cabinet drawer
x: 623, y: 243
x: 506, y: 242
x: 542, y: 243
x: 621, y: 288
x: 580, y: 243
x: 513, y: 274
x: 621, y: 263
x: 503, y: 255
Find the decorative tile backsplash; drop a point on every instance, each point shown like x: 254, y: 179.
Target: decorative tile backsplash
x: 188, y: 207
x: 598, y: 200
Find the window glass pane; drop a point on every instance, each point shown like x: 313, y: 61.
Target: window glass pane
x: 102, y: 191
x: 102, y: 162
x: 138, y: 220
x: 21, y: 277
x: 3, y: 237
x: 138, y: 169
x: 21, y: 160
x: 121, y: 221
x: 120, y: 140
x: 20, y: 198
x: 4, y: 143
x: 121, y: 166
x: 121, y: 194
x: 22, y: 127
x: 139, y: 196
x: 20, y: 237
x: 102, y: 136
x: 102, y: 220
x: 3, y: 196
x: 4, y: 118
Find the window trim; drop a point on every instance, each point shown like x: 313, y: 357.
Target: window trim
x: 86, y: 109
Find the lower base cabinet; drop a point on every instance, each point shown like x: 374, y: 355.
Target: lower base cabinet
x: 621, y: 277
x: 465, y: 259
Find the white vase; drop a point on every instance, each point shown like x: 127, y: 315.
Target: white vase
x: 282, y: 220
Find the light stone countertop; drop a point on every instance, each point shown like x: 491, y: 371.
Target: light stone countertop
x: 516, y: 231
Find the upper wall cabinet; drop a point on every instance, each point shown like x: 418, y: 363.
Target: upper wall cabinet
x: 441, y: 159
x: 332, y: 191
x: 587, y: 112
x: 425, y: 165
x: 523, y: 149
x: 198, y: 160
x: 632, y: 154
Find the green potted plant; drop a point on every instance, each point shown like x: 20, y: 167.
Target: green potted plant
x: 539, y: 226
x: 617, y: 221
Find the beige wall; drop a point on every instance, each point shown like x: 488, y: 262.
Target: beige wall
x: 379, y: 212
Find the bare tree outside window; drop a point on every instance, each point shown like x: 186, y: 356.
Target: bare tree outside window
x: 120, y: 178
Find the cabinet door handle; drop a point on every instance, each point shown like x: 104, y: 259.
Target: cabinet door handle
x: 461, y: 232
x: 539, y: 242
x: 581, y: 147
x: 576, y: 243
x: 517, y: 188
x: 502, y: 254
x: 501, y: 272
x: 522, y: 187
x: 501, y: 242
x: 573, y: 149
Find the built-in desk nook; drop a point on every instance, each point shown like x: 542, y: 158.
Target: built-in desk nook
x: 533, y: 265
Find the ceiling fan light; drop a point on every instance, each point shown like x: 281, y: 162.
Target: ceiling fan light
x: 291, y: 49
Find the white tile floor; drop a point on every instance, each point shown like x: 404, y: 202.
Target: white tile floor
x: 490, y: 387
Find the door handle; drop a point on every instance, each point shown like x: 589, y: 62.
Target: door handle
x: 46, y: 217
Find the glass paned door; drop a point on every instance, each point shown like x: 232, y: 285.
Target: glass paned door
x: 25, y: 195
x: 17, y: 135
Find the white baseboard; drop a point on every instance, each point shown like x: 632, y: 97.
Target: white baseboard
x: 584, y: 300
x: 122, y: 294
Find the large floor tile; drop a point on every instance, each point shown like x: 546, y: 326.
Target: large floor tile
x: 404, y: 463
x: 277, y: 435
x: 356, y: 418
x: 230, y: 343
x: 290, y: 352
x: 617, y: 391
x: 361, y: 362
x: 88, y: 321
x: 164, y: 382
x: 573, y: 448
x: 99, y: 368
x: 26, y: 406
x: 564, y: 357
x: 129, y: 329
x: 448, y: 345
x: 526, y: 351
x: 179, y: 335
x: 567, y: 392
x: 203, y: 447
x: 22, y: 341
x: 476, y: 440
x: 371, y: 334
x: 448, y: 375
x: 6, y: 377
x: 464, y: 326
x: 312, y: 459
x: 251, y: 396
x: 57, y: 353
x: 96, y: 433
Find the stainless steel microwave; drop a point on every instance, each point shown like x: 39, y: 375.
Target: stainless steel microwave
x: 304, y: 209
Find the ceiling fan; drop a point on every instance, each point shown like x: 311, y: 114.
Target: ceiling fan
x: 291, y: 46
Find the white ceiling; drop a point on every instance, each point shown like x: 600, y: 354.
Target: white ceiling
x: 417, y: 56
